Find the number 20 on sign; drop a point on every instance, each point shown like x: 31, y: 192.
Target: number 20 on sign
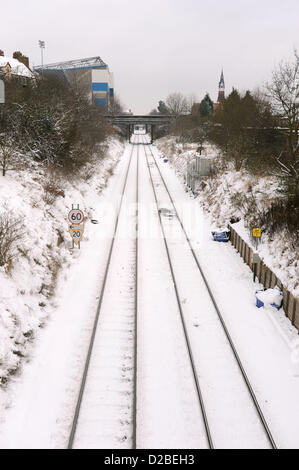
x: 76, y: 225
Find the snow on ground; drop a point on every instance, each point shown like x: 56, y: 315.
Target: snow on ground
x: 27, y: 287
x: 265, y: 339
x: 270, y: 296
x: 105, y: 419
x: 37, y: 405
x: 168, y: 411
x: 230, y: 194
x: 232, y: 418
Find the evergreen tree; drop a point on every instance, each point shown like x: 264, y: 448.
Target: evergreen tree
x: 203, y: 108
x: 206, y: 106
x: 162, y: 108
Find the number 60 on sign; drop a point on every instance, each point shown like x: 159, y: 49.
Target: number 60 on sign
x: 76, y: 217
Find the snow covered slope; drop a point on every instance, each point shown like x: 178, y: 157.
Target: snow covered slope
x: 27, y: 284
x: 233, y: 194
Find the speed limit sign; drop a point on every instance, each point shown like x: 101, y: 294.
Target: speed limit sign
x: 76, y: 225
x: 76, y: 233
x: 76, y: 217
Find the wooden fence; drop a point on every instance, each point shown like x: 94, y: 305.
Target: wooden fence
x: 267, y: 278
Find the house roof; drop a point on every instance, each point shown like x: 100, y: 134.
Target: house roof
x: 17, y: 67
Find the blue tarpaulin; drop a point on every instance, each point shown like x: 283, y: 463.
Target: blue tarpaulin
x: 261, y: 303
x: 221, y: 236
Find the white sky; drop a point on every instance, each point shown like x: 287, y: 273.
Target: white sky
x: 157, y: 47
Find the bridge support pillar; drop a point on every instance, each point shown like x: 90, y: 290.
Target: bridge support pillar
x: 152, y: 133
x: 130, y: 132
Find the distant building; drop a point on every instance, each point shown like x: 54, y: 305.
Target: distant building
x: 220, y: 98
x: 221, y: 92
x: 195, y: 109
x: 90, y: 76
x: 221, y: 89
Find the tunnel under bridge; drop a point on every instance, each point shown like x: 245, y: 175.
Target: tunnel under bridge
x: 149, y: 121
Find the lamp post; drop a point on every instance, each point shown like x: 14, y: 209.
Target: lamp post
x: 42, y: 46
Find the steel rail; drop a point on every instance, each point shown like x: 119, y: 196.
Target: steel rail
x: 195, y: 375
x: 134, y: 437
x: 94, y: 329
x: 228, y: 336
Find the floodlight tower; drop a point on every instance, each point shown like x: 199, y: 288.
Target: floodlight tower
x: 42, y: 46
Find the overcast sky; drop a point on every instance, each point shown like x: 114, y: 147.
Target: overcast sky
x: 156, y: 47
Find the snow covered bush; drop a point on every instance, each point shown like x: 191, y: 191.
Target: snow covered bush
x: 52, y: 124
x: 230, y: 196
x: 10, y: 234
x: 9, y: 158
x: 28, y: 287
x: 52, y: 189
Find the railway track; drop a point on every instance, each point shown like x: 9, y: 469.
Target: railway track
x: 130, y: 352
x: 249, y: 387
x: 90, y: 416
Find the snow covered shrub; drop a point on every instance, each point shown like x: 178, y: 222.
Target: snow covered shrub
x: 53, y: 124
x: 52, y: 191
x: 247, y: 204
x: 10, y: 234
x: 283, y: 214
x: 9, y: 158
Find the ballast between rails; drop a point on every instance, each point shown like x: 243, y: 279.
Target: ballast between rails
x: 228, y: 336
x: 134, y: 436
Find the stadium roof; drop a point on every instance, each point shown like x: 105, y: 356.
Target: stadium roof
x: 90, y: 62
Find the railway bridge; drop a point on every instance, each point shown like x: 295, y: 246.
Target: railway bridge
x: 149, y: 121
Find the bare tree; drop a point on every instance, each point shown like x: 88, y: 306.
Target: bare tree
x: 11, y: 231
x: 9, y: 158
x: 115, y: 106
x: 177, y: 104
x: 191, y: 100
x: 284, y: 94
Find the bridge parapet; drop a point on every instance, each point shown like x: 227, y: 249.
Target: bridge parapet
x: 141, y: 119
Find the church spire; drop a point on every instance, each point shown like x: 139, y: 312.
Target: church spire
x: 221, y: 93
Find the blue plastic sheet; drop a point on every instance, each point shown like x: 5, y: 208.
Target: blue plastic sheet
x: 260, y: 303
x: 221, y: 236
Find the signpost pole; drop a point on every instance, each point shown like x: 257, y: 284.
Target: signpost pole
x: 76, y: 225
x: 256, y: 233
x: 254, y: 271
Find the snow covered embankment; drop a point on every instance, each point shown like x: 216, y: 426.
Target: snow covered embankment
x: 41, y: 203
x: 231, y: 194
